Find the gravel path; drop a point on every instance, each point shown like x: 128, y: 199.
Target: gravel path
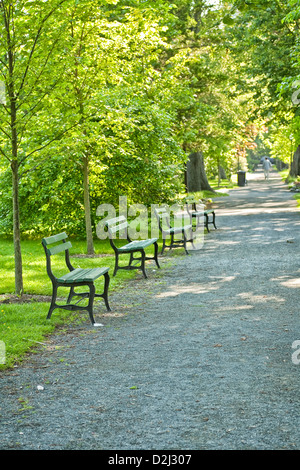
x: 199, y: 356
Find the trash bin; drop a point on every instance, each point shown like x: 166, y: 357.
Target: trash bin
x: 241, y: 178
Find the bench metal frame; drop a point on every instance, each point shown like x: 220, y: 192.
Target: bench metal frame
x: 74, y: 278
x: 167, y: 231
x: 118, y: 224
x: 199, y: 213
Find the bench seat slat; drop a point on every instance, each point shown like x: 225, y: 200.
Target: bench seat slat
x: 137, y: 244
x: 175, y: 230
x: 197, y: 214
x: 116, y: 220
x: 206, y: 211
x: 82, y: 275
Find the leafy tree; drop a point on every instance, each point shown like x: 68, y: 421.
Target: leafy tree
x: 30, y: 36
x: 202, y: 75
x: 262, y: 36
x: 109, y: 91
x: 108, y: 99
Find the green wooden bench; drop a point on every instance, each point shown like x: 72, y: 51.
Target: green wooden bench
x: 167, y: 231
x: 75, y: 277
x: 118, y: 224
x: 208, y: 216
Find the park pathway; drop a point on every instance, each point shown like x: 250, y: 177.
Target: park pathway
x: 199, y: 356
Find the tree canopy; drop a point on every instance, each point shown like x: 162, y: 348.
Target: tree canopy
x: 105, y: 98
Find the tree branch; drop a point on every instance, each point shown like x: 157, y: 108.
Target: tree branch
x: 4, y: 154
x: 57, y: 137
x: 4, y: 132
x: 38, y: 77
x: 38, y: 34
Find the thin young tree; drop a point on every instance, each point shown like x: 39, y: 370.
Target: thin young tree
x: 30, y: 68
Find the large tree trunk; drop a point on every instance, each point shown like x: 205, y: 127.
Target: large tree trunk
x: 295, y: 166
x: 196, y: 179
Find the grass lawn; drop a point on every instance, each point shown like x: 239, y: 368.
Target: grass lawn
x: 23, y: 325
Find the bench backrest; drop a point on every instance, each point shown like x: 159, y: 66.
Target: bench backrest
x: 163, y: 218
x: 180, y: 220
x: 59, y: 244
x: 193, y: 204
x: 53, y: 240
x: 116, y: 225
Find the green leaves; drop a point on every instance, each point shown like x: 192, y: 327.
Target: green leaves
x: 228, y: 20
x: 131, y: 87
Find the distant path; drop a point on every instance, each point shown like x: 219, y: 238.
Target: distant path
x: 199, y: 356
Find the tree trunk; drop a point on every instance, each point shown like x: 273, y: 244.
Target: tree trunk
x: 16, y: 230
x: 14, y: 169
x: 222, y: 173
x: 87, y: 207
x: 195, y: 174
x: 295, y: 165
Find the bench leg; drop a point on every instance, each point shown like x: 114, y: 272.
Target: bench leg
x: 71, y: 295
x: 116, y: 263
x: 214, y: 220
x: 53, y: 300
x: 171, y: 242
x: 163, y: 247
x: 155, y: 254
x: 206, y: 222
x: 143, y: 263
x: 91, y: 302
x: 184, y: 244
x: 105, y: 293
x: 199, y: 221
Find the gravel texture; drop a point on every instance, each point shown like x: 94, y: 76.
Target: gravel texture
x: 198, y: 356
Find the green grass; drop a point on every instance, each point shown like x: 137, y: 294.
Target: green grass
x: 285, y: 176
x: 290, y: 180
x: 24, y: 325
x: 36, y: 280
x: 206, y: 195
x: 224, y: 185
x: 297, y: 197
